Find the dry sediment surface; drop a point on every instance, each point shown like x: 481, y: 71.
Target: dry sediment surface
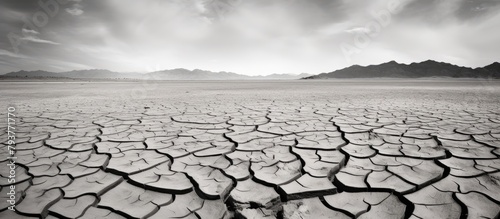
x: 282, y: 149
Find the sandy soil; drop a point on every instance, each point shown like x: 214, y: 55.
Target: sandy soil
x: 377, y: 148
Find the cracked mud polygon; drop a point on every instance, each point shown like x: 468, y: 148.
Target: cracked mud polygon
x: 282, y: 149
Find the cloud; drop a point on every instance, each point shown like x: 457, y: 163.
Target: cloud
x: 38, y: 40
x: 4, y: 52
x: 75, y: 10
x: 29, y: 32
x: 358, y: 30
x: 32, y: 36
x: 216, y: 9
x: 29, y: 35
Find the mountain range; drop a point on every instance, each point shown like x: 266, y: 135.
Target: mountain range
x: 427, y: 68
x: 390, y: 69
x: 173, y: 74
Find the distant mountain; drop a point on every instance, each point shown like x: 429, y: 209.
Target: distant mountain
x: 100, y: 73
x: 196, y: 74
x: 283, y: 76
x: 92, y: 73
x: 173, y: 74
x: 427, y: 68
x: 494, y: 69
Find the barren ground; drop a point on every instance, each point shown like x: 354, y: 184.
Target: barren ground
x: 425, y: 148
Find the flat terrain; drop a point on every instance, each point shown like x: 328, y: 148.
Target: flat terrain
x: 376, y: 148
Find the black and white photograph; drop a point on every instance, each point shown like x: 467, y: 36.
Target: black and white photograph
x: 250, y: 109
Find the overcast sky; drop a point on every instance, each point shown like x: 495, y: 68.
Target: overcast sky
x: 254, y: 37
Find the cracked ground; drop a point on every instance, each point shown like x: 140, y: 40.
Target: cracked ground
x: 379, y: 149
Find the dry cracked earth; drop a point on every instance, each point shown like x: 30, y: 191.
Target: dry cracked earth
x: 215, y: 157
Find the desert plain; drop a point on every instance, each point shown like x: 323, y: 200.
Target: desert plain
x: 366, y: 148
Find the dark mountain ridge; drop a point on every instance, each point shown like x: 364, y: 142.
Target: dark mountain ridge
x: 423, y: 69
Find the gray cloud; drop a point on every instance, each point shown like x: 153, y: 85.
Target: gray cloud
x: 249, y: 37
x: 75, y: 10
x: 37, y: 40
x: 8, y: 53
